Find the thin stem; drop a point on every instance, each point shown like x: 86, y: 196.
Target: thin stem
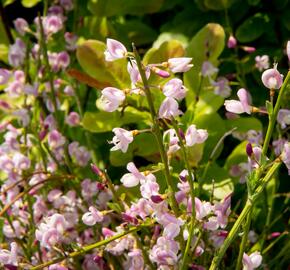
x: 249, y: 204
x: 46, y: 62
x: 273, y: 116
x: 87, y: 248
x: 157, y: 132
x: 244, y: 240
x: 191, y: 186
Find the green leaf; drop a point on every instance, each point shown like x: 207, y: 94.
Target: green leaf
x: 136, y: 31
x: 223, y: 185
x: 237, y: 156
x: 207, y: 44
x: 168, y: 49
x: 215, y: 126
x: 29, y: 3
x: 244, y: 124
x: 168, y: 36
x: 99, y: 122
x: 253, y: 28
x: 108, y: 8
x: 90, y: 55
x: 218, y: 4
x: 4, y: 53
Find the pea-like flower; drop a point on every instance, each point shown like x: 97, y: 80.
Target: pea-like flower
x: 179, y: 64
x: 272, y: 78
x: 174, y: 89
x: 122, y: 139
x: 240, y: 106
x: 262, y: 62
x: 169, y: 108
x: 115, y: 50
x: 21, y: 26
x: 252, y: 261
x: 92, y: 217
x: 112, y: 98
x: 283, y: 117
x: 133, y: 178
x: 195, y: 136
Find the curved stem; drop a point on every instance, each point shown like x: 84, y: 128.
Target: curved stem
x: 157, y: 132
x: 87, y: 248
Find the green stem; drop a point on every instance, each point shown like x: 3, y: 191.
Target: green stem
x: 273, y: 116
x: 249, y: 204
x: 46, y: 62
x: 191, y: 186
x: 244, y: 240
x: 87, y: 248
x: 157, y: 132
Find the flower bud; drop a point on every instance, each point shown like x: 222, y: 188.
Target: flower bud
x: 249, y: 49
x: 232, y: 42
x: 156, y: 199
x: 160, y: 72
x: 249, y: 149
x: 288, y: 50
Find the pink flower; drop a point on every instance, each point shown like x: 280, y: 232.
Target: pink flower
x: 232, y: 42
x: 71, y: 40
x: 272, y: 79
x: 4, y: 76
x: 21, y: 26
x: 16, y: 53
x: 55, y: 139
x: 122, y: 139
x: 9, y: 257
x: 202, y: 209
x: 241, y: 106
x: 221, y: 87
x: 67, y: 4
x: 174, y: 89
x: 262, y: 62
x: 195, y: 136
x: 133, y: 71
x: 133, y: 178
x: 149, y: 187
x: 283, y: 117
x: 170, y: 137
x: 248, y: 49
x: 92, y: 217
x: 73, y: 119
x: 180, y: 64
x: 252, y: 262
x: 208, y: 69
x: 136, y: 260
x: 63, y: 60
x: 115, y: 50
x: 112, y: 98
x: 52, y: 24
x: 286, y: 156
x: 79, y: 154
x: 169, y: 108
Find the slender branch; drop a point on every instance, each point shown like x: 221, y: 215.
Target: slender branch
x: 157, y: 132
x: 249, y: 204
x: 191, y: 186
x: 244, y: 240
x: 88, y: 248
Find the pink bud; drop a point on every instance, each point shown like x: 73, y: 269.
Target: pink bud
x: 249, y: 149
x: 232, y: 42
x: 272, y: 79
x: 73, y: 119
x: 249, y: 49
x: 160, y: 72
x: 96, y: 170
x: 156, y: 199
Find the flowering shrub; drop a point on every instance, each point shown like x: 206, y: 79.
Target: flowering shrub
x: 113, y: 161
